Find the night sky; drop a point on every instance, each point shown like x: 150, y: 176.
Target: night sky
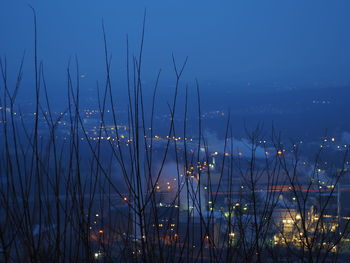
x: 259, y: 41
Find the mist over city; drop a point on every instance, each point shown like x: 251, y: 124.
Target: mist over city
x: 174, y: 131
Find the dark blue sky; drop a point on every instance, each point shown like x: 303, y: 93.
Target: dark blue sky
x: 301, y: 41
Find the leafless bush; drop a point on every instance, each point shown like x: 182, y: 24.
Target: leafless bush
x: 111, y: 199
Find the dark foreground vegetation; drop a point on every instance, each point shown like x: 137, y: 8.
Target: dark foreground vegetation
x: 124, y: 194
